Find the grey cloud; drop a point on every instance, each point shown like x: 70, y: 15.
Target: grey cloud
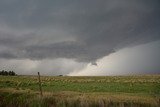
x: 84, y: 30
x: 62, y: 49
x: 7, y: 55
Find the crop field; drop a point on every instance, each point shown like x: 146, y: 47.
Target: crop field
x: 66, y: 91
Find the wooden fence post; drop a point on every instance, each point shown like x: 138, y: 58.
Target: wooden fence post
x: 40, y: 86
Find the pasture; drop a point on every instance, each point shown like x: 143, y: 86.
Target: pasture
x: 66, y: 91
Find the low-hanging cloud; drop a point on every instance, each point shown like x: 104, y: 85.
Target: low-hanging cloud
x: 142, y: 59
x: 46, y: 67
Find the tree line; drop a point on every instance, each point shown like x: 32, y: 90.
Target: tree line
x: 9, y: 73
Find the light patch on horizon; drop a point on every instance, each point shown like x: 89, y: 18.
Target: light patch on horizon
x: 60, y: 66
x: 142, y: 59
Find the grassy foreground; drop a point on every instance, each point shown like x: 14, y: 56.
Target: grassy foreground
x: 115, y: 91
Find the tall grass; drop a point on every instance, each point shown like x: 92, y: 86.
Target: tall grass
x: 32, y: 100
x: 115, y: 91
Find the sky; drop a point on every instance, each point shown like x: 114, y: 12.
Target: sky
x: 80, y: 37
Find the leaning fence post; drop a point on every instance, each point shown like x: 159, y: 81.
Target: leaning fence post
x: 40, y: 87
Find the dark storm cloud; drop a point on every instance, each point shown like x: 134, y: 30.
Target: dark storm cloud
x: 85, y: 30
x: 56, y: 50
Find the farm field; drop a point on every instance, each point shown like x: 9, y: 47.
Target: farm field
x: 66, y: 91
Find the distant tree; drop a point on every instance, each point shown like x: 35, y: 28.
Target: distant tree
x: 10, y: 73
x: 13, y: 73
x: 5, y: 73
x: 2, y: 72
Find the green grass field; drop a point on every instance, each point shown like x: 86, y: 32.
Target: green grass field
x: 107, y: 91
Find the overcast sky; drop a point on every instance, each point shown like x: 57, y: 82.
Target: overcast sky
x: 80, y: 37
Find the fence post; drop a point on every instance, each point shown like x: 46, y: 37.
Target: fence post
x: 40, y: 86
